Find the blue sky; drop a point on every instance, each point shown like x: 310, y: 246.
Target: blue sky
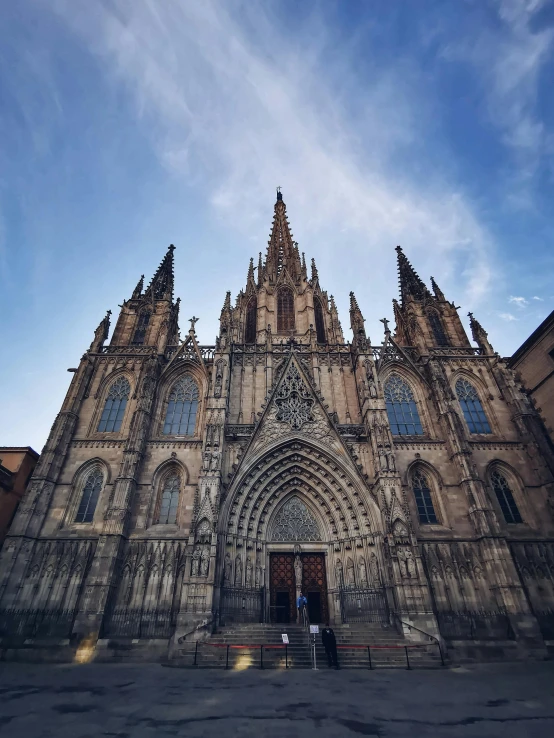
x: 127, y: 125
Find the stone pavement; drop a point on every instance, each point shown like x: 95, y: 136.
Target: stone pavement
x: 151, y: 701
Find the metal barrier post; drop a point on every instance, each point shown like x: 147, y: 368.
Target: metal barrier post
x: 314, y: 667
x: 440, y: 651
x: 227, y: 661
x: 261, y: 656
x: 369, y: 657
x: 196, y: 653
x: 407, y: 659
x: 286, y: 656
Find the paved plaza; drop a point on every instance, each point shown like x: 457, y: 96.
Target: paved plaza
x: 147, y: 701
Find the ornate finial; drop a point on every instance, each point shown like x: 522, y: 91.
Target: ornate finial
x: 279, y: 193
x: 171, y: 247
x: 193, y: 321
x: 385, y: 322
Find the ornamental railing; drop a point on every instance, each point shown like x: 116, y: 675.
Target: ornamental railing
x: 36, y: 623
x: 125, y: 622
x: 462, y: 625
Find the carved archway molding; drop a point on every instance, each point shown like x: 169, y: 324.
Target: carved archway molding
x: 345, y: 506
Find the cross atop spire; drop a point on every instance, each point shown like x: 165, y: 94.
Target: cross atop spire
x: 410, y: 283
x: 161, y: 286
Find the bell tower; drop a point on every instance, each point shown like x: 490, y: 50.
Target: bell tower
x: 150, y: 317
x: 424, y: 319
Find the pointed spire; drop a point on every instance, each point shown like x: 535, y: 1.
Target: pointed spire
x: 101, y: 333
x: 437, y: 290
x: 137, y: 292
x: 226, y: 304
x: 282, y: 252
x: 260, y: 270
x: 335, y: 322
x: 480, y: 335
x: 304, y: 269
x: 250, y: 276
x: 315, y: 275
x: 161, y: 286
x: 356, y: 319
x: 410, y: 283
x: 226, y: 315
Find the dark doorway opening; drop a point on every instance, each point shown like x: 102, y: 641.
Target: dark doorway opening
x: 282, y: 607
x: 314, y: 607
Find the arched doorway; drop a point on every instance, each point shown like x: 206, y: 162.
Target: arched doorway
x: 300, y: 570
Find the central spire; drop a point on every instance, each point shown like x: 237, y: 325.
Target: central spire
x: 282, y: 251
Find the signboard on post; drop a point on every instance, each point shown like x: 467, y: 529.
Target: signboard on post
x: 314, y: 629
x: 285, y: 638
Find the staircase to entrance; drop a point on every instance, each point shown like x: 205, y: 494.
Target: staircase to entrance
x: 259, y: 645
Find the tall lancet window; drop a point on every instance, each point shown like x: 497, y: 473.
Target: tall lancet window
x: 437, y: 328
x: 142, y: 325
x: 114, y: 409
x: 89, y: 499
x: 505, y: 498
x: 471, y: 407
x: 319, y: 322
x: 401, y: 408
x: 251, y: 317
x: 285, y: 310
x: 422, y: 494
x: 180, y: 419
x: 169, y: 502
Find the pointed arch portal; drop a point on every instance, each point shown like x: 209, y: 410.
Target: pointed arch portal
x: 293, y: 513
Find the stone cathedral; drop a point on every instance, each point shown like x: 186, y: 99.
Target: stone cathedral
x: 186, y: 486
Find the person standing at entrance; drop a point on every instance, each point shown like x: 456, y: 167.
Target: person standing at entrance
x: 302, y: 604
x: 330, y: 645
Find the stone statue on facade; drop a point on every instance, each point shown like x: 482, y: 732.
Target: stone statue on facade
x: 196, y: 562
x: 248, y: 572
x: 205, y: 561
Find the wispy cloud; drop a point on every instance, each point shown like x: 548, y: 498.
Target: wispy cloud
x: 521, y: 302
x: 237, y: 104
x: 537, y: 298
x: 507, y: 316
x: 508, y: 57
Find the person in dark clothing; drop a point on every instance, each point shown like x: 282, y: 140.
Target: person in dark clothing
x: 330, y: 645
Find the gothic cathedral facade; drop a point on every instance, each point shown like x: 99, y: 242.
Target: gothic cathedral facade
x: 183, y: 486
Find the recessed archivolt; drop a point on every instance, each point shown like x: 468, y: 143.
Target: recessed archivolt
x: 343, y: 504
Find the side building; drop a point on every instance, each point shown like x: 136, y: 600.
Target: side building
x: 184, y: 486
x: 533, y: 364
x: 16, y: 466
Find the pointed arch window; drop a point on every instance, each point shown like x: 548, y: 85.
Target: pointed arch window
x: 505, y: 498
x: 437, y: 328
x: 169, y: 502
x: 114, y: 408
x: 180, y: 418
x: 142, y: 325
x: 471, y: 407
x: 319, y: 321
x: 295, y: 522
x: 89, y: 498
x: 401, y: 408
x: 251, y: 319
x: 285, y: 310
x: 422, y: 492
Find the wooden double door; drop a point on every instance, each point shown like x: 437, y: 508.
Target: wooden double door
x: 283, y: 585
